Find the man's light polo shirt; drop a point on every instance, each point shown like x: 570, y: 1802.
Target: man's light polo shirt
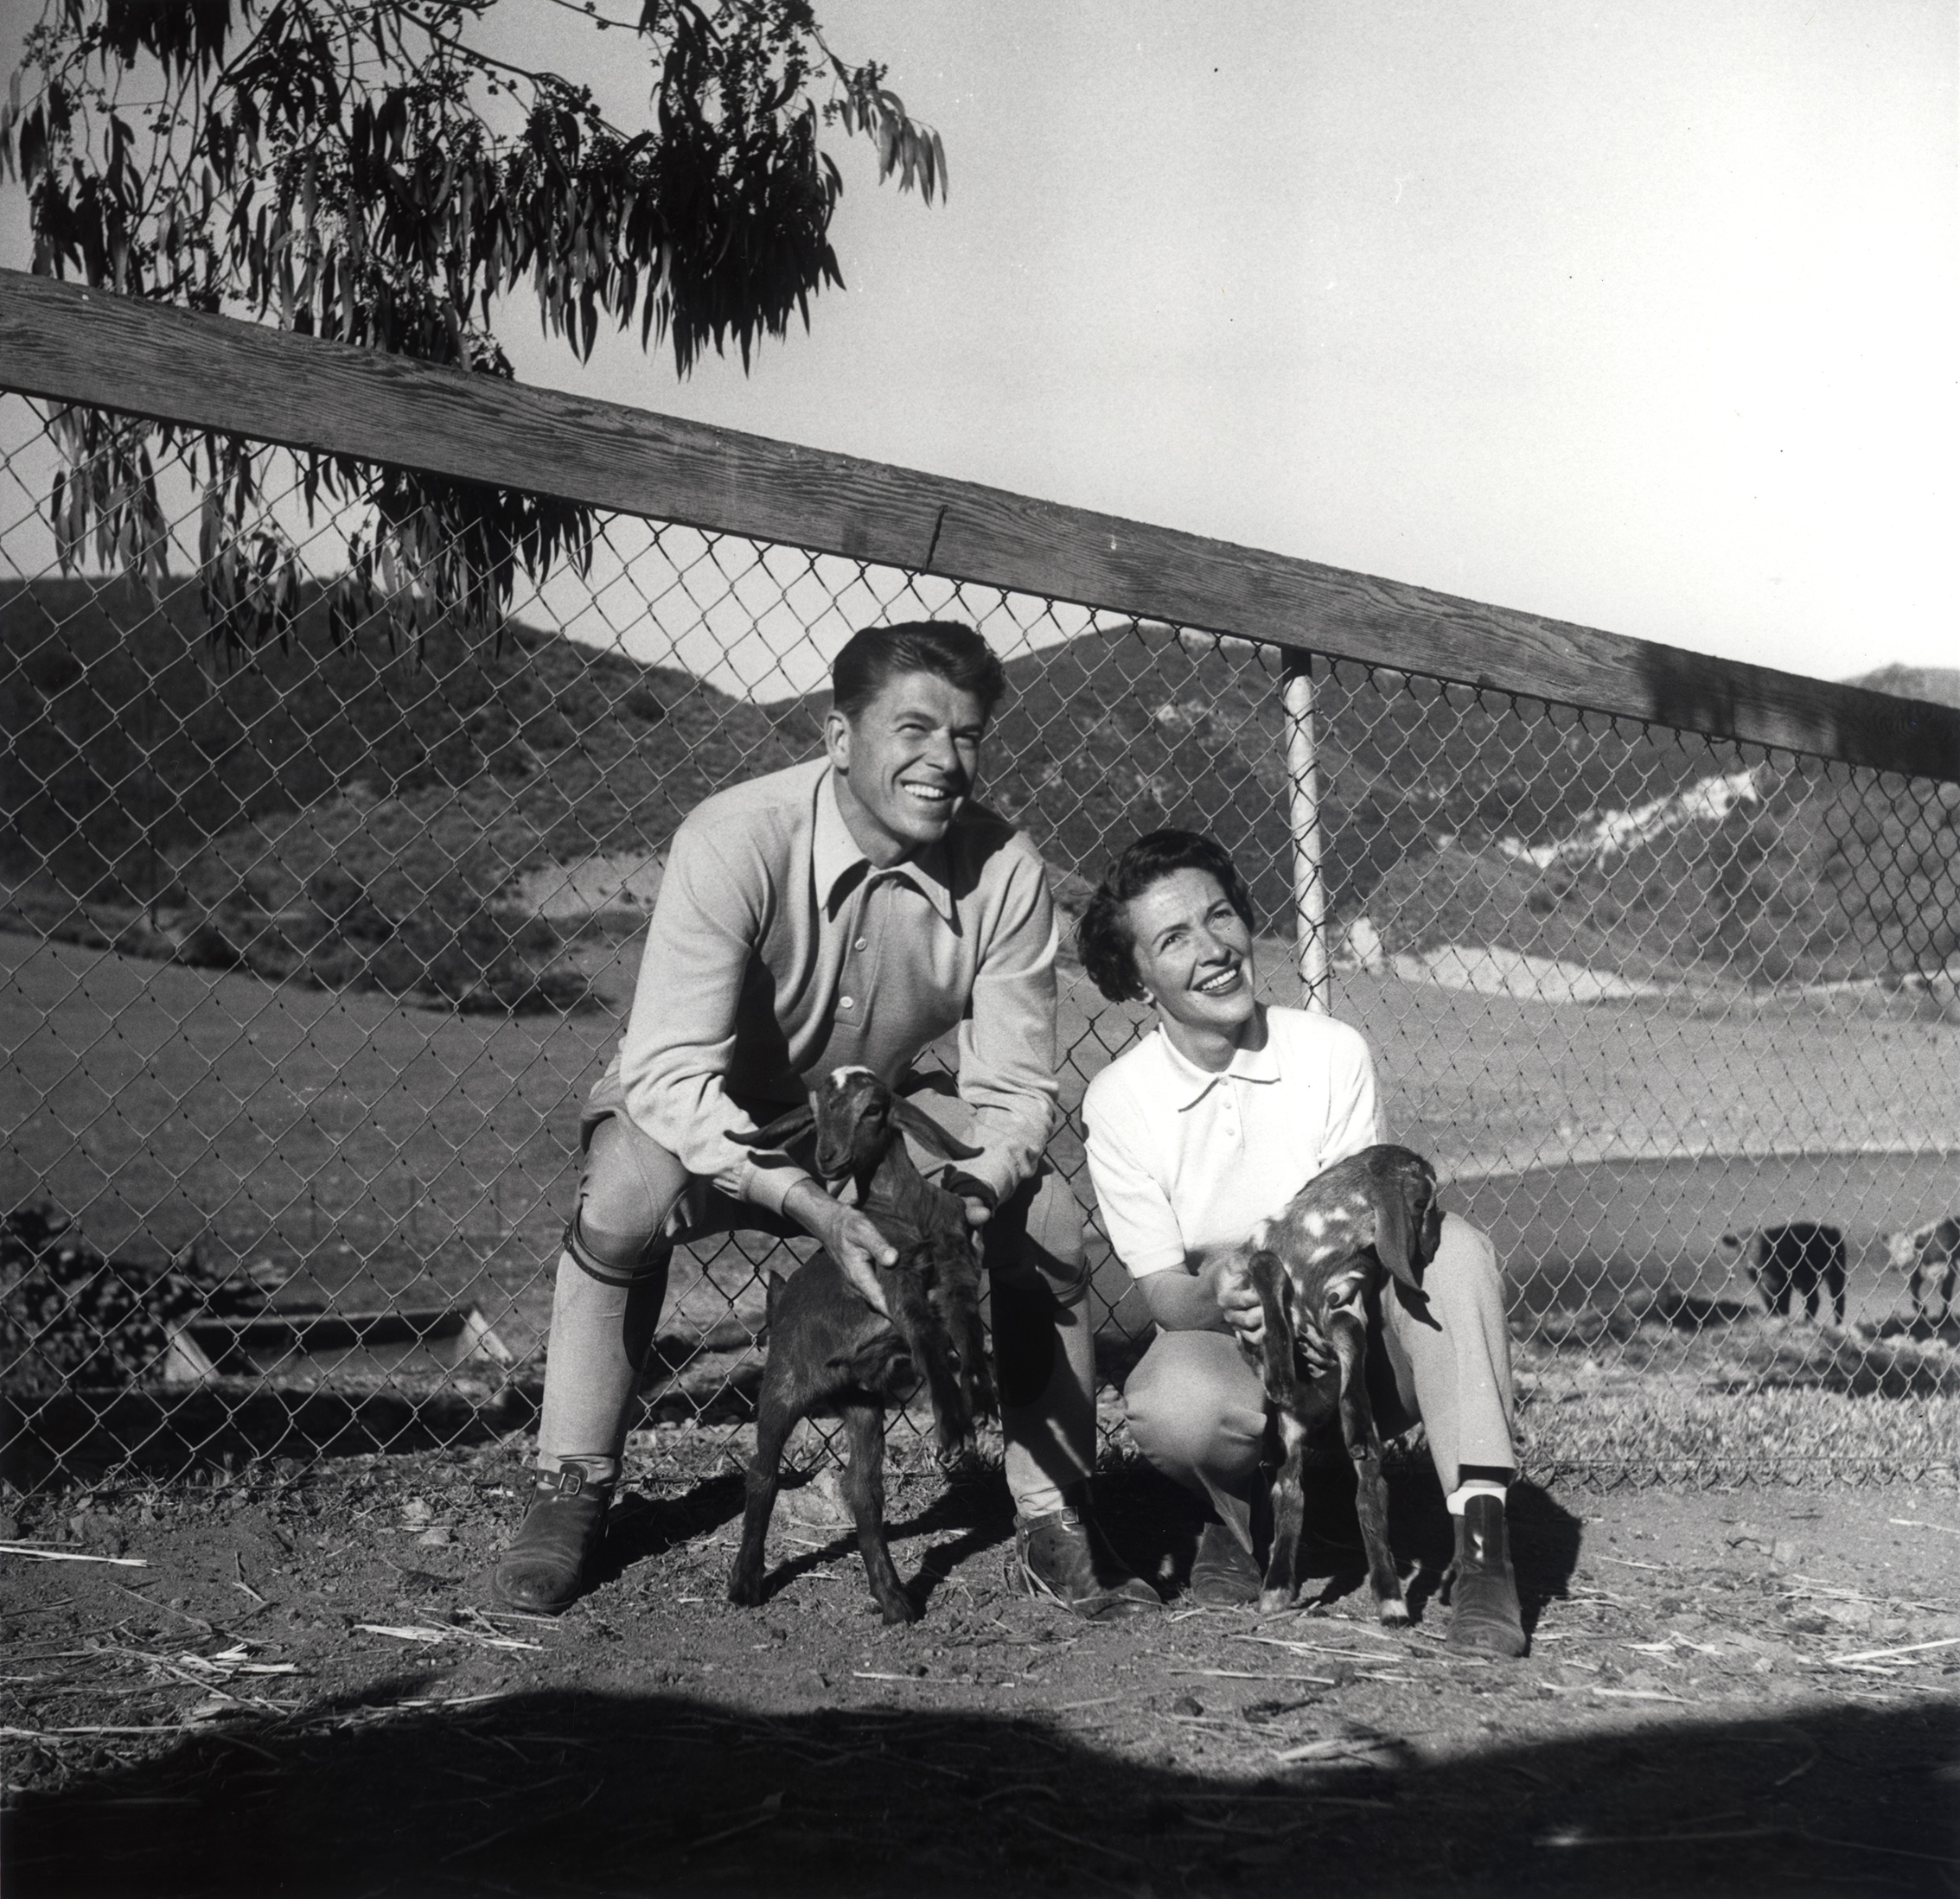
x: 1184, y: 1160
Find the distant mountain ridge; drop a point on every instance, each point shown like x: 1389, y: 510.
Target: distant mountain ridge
x: 1936, y: 685
x: 360, y: 816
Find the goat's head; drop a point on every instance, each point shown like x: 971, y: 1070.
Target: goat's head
x: 1409, y: 1222
x: 857, y: 1118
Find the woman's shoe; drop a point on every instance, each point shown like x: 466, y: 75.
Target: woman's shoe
x: 1484, y: 1616
x: 1223, y: 1574
x: 543, y: 1570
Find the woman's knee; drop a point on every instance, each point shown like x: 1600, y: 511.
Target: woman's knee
x: 1192, y: 1401
x: 1465, y: 1275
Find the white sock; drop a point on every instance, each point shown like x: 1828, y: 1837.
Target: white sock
x: 1477, y: 1487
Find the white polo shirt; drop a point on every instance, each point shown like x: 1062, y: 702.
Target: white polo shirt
x: 1184, y: 1160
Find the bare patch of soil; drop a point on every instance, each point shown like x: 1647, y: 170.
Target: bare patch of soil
x: 305, y: 1690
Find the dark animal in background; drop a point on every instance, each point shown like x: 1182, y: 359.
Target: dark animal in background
x: 830, y: 1352
x: 1789, y: 1262
x: 1929, y: 1257
x: 1365, y: 1219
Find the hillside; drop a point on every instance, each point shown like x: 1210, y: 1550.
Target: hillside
x: 1936, y: 685
x: 350, y: 813
x: 368, y: 817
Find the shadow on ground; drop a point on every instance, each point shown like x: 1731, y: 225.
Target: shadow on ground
x: 1151, y: 1522
x: 586, y: 1791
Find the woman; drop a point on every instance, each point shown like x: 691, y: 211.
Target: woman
x: 1213, y: 1123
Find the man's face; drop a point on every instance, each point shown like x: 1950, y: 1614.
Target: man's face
x: 906, y: 763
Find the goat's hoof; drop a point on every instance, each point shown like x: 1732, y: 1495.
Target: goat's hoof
x: 745, y: 1591
x: 900, y: 1609
x: 1271, y: 1600
x: 1393, y: 1610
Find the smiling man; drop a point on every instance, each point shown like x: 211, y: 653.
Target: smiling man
x: 850, y: 910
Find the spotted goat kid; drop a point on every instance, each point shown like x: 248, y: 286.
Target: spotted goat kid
x: 1365, y: 1219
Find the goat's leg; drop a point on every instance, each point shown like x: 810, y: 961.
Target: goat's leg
x: 1289, y: 1513
x: 776, y: 1416
x: 1280, y: 1375
x: 960, y: 1296
x: 912, y: 1314
x: 1348, y: 1333
x: 864, y: 1490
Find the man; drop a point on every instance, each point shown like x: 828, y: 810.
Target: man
x: 849, y: 910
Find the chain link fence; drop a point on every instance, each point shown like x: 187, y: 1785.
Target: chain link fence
x: 313, y: 946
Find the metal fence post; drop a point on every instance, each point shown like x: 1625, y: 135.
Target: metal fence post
x: 1303, y: 820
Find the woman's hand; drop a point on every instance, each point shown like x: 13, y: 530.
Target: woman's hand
x: 1228, y: 1284
x: 848, y: 1237
x: 1239, y: 1304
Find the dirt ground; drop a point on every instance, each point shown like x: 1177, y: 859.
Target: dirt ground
x: 300, y: 1690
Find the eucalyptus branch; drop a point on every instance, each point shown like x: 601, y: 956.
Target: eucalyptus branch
x: 311, y: 161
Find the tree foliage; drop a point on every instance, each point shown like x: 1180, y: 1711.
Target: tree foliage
x: 362, y: 170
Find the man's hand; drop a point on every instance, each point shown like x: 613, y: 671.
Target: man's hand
x: 975, y: 1196
x: 848, y: 1236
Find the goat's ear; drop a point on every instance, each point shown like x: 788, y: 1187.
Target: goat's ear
x: 929, y: 1133
x: 1408, y: 1224
x: 781, y: 1131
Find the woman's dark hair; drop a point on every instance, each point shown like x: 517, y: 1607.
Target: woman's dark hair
x: 1103, y: 935
x: 872, y: 659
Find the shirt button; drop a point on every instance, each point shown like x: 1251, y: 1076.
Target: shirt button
x: 845, y: 1001
x: 859, y: 944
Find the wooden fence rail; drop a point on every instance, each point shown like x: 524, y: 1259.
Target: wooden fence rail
x: 72, y: 345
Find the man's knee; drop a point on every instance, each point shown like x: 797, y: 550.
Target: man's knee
x: 1024, y: 1312
x: 626, y: 1195
x: 1037, y: 1237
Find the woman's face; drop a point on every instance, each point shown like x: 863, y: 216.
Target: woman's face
x: 1193, y: 952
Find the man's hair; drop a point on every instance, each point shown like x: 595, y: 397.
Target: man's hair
x: 872, y: 659
x: 1104, y: 937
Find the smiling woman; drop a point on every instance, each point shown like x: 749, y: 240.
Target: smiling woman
x: 1172, y: 924
x: 1197, y: 1137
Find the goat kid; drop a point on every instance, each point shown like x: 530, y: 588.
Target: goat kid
x: 1796, y: 1259
x: 1365, y: 1219
x: 829, y: 1352
x: 1929, y: 1258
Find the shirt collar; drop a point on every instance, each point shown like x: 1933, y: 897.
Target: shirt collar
x: 839, y: 866
x: 1192, y: 1083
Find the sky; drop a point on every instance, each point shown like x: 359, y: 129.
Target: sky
x: 1639, y: 316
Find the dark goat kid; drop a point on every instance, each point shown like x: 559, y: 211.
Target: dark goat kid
x: 1365, y: 1219
x: 829, y: 1352
x: 1796, y: 1259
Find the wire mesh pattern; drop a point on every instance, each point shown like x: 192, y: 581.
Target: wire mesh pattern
x: 314, y: 946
